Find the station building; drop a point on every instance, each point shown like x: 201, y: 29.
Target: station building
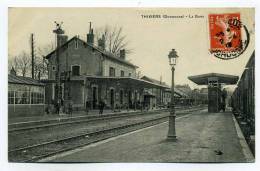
x: 95, y: 75
x: 26, y: 96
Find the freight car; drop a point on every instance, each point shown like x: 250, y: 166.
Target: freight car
x: 243, y: 102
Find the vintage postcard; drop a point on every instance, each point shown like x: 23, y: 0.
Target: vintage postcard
x: 131, y: 85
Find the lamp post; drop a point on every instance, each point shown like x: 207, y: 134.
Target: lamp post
x: 171, y: 132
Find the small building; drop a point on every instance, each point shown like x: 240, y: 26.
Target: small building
x: 25, y: 96
x: 185, y: 88
x: 162, y: 96
x: 155, y: 96
x: 214, y: 81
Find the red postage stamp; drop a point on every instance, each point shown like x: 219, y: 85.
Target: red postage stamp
x: 225, y: 32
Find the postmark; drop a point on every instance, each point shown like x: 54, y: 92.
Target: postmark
x: 226, y: 35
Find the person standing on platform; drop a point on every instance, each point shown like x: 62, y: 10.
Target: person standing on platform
x: 57, y: 106
x: 223, y: 96
x: 101, y: 107
x: 87, y: 106
x: 70, y: 108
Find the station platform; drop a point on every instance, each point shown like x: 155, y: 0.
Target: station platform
x: 202, y: 137
x: 63, y: 115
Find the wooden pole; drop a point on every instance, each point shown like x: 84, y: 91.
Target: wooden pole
x: 32, y: 54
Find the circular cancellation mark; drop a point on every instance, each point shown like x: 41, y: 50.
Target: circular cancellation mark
x: 226, y: 36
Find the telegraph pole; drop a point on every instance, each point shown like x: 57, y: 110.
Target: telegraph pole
x: 58, y: 31
x: 32, y: 54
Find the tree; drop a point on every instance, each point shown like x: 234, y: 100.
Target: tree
x: 21, y: 63
x: 13, y: 63
x: 40, y: 67
x: 115, y: 40
x: 24, y: 63
x: 41, y: 64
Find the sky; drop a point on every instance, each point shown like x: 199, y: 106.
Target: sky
x: 151, y: 39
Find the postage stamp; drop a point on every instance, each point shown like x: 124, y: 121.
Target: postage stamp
x: 226, y: 35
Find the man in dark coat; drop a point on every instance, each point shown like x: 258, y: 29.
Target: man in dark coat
x: 87, y: 106
x: 223, y: 96
x: 101, y: 106
x: 57, y: 106
x: 70, y: 108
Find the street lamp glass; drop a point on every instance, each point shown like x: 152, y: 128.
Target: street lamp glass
x: 173, y: 57
x: 172, y: 61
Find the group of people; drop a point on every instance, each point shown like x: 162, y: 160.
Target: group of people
x: 60, y: 107
x: 101, y: 106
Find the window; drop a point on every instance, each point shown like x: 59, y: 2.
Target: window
x: 75, y: 70
x: 36, y: 98
x: 129, y: 74
x: 53, y: 67
x: 76, y: 44
x: 112, y: 72
x: 24, y: 97
x: 10, y: 97
x: 122, y: 73
x: 21, y: 97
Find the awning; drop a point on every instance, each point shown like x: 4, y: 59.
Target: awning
x: 127, y: 81
x: 222, y: 78
x: 124, y: 80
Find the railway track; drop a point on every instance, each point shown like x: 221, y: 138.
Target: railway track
x: 76, y: 120
x: 21, y: 139
x: 39, y: 151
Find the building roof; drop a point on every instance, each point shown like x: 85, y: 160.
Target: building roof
x: 23, y: 80
x: 105, y: 53
x: 176, y: 90
x: 185, y: 89
x: 127, y: 80
x: 182, y: 93
x: 222, y: 78
x: 153, y: 80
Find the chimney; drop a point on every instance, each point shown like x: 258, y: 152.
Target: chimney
x: 90, y: 35
x: 62, y: 39
x: 12, y: 71
x: 122, y: 54
x: 101, y: 42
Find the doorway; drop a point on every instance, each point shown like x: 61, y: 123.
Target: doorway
x: 112, y: 95
x: 129, y: 99
x: 121, y: 97
x: 94, y: 97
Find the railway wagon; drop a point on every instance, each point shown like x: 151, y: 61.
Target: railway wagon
x: 243, y: 102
